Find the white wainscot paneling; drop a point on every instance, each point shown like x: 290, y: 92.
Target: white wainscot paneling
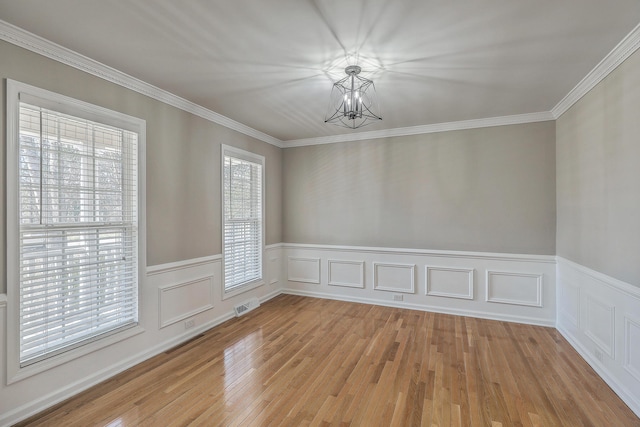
x: 274, y: 270
x: 394, y: 277
x: 305, y: 270
x: 452, y: 284
x: 569, y: 300
x: 632, y: 346
x: 514, y: 288
x: 449, y: 282
x: 607, y: 330
x: 600, y: 324
x: 183, y: 300
x: 349, y: 274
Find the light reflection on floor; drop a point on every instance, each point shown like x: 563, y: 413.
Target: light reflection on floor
x: 240, y: 377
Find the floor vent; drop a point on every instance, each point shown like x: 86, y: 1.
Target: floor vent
x: 246, y: 307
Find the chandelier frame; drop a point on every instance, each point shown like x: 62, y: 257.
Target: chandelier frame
x: 353, y: 103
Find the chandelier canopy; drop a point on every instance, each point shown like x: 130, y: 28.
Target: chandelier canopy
x: 353, y: 102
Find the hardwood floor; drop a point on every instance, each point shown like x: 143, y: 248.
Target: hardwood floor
x: 302, y: 361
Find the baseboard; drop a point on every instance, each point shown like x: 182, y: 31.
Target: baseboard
x: 625, y: 394
x: 421, y: 307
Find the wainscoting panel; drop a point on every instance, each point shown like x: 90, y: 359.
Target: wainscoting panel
x: 345, y: 273
x: 304, y: 270
x: 569, y: 299
x: 273, y: 271
x: 632, y: 346
x: 440, y: 281
x: 394, y: 277
x: 449, y: 282
x: 604, y: 328
x: 183, y: 300
x: 514, y: 288
x: 600, y: 324
x: 273, y: 260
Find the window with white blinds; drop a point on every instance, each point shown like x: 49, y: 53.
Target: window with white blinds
x: 77, y: 229
x: 242, y: 219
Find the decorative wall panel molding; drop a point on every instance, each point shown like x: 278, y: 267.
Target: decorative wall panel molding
x: 394, y: 277
x: 569, y: 297
x: 632, y: 346
x: 274, y: 270
x: 451, y: 285
x: 449, y: 282
x: 345, y: 273
x: 514, y: 288
x: 183, y: 300
x: 600, y: 323
x: 304, y: 270
x: 607, y: 333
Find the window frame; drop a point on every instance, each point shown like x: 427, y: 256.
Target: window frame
x: 67, y: 105
x: 254, y: 158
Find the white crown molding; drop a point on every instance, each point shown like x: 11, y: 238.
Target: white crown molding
x: 617, y: 56
x: 37, y: 44
x: 417, y: 130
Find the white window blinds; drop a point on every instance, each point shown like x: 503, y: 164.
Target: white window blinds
x: 242, y: 188
x: 78, y: 231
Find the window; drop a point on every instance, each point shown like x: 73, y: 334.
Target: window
x: 73, y: 173
x: 242, y: 219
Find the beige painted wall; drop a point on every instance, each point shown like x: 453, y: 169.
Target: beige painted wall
x: 598, y: 176
x: 183, y: 159
x: 489, y: 189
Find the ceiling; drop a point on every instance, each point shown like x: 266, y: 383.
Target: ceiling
x: 270, y: 65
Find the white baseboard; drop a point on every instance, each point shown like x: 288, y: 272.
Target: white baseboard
x: 632, y: 401
x: 420, y: 307
x: 600, y: 317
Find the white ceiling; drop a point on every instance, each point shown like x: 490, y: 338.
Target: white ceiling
x: 270, y: 64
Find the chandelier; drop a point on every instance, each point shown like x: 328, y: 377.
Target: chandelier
x: 353, y: 101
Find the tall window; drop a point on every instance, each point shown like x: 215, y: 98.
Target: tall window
x: 77, y: 225
x: 243, y: 218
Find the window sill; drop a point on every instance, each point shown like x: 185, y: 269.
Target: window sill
x: 242, y: 289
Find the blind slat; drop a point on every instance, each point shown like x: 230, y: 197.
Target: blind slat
x: 78, y: 230
x: 242, y: 221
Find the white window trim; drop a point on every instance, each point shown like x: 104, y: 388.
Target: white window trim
x: 256, y: 158
x: 65, y: 104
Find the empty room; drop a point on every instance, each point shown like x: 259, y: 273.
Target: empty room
x: 320, y: 213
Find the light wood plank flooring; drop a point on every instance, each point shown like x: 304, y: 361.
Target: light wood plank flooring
x: 301, y: 361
